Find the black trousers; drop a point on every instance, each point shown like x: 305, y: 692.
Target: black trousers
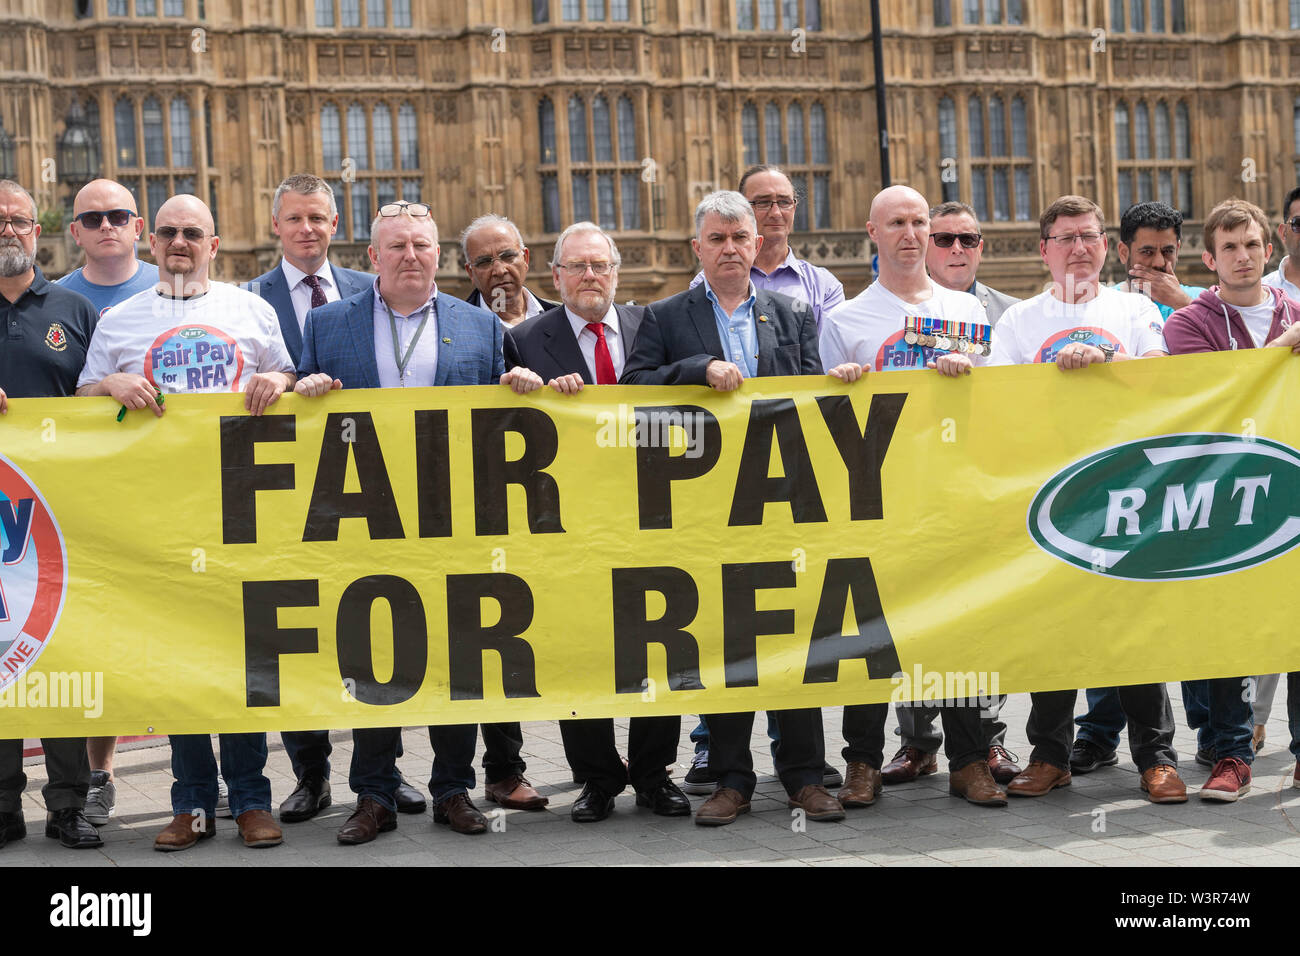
x: 864, y: 735
x: 651, y: 747
x: 1150, y: 725
x: 68, y: 767
x: 800, y: 751
x: 502, y: 744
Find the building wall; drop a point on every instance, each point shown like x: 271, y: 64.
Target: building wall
x: 255, y: 76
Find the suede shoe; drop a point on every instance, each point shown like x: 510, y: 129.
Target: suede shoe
x: 908, y: 764
x: 817, y: 804
x: 12, y: 827
x: 1002, y: 764
x: 665, y: 800
x: 459, y: 813
x: 370, y: 819
x: 259, y: 829
x: 700, y: 780
x: 515, y: 793
x: 1162, y: 784
x: 183, y: 832
x: 71, y: 828
x: 862, y: 786
x: 310, y: 797
x: 1038, y: 779
x: 1229, y: 780
x: 592, y: 805
x: 407, y: 798
x: 722, y: 808
x: 1085, y: 757
x: 975, y: 783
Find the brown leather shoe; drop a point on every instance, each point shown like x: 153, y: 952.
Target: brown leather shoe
x: 861, y: 785
x: 1162, y: 784
x: 459, y: 813
x: 817, y: 804
x: 722, y: 808
x: 1001, y: 766
x: 515, y: 793
x: 1038, y: 779
x: 258, y: 828
x: 370, y: 819
x: 908, y: 764
x: 1257, y: 738
x: 975, y: 783
x: 183, y: 832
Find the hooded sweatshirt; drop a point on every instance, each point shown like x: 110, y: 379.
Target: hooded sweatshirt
x: 1208, y: 324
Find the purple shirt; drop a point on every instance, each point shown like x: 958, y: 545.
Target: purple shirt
x: 801, y: 281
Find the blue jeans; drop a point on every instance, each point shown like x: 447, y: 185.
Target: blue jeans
x: 1230, y: 718
x: 1104, y: 721
x: 374, y: 762
x: 243, y: 758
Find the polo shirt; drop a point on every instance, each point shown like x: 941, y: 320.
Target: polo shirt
x: 45, y: 337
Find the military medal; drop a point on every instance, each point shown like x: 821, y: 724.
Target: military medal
x: 909, y: 323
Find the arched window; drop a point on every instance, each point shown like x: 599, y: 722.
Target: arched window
x: 546, y: 129
x: 997, y: 127
x: 749, y: 133
x: 1182, y: 139
x: 772, y: 133
x: 1019, y: 128
x: 124, y: 129
x: 1163, y: 150
x: 408, y: 137
x: 154, y: 142
x: 330, y: 137
x: 975, y: 118
x: 601, y: 131
x: 577, y: 130
x: 797, y: 154
x: 1122, y: 150
x: 381, y: 122
x: 180, y: 127
x: 1142, y: 131
x: 948, y: 149
x: 627, y: 152
x: 821, y: 150
x: 356, y: 147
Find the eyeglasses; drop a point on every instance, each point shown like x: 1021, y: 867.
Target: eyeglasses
x: 189, y: 233
x: 21, y: 227
x: 1089, y: 238
x: 944, y: 240
x: 580, y: 268
x: 416, y: 210
x: 506, y: 258
x: 763, y: 205
x: 93, y: 219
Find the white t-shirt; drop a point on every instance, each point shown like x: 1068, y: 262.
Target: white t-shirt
x: 1036, y: 329
x: 1258, y: 319
x: 868, y: 329
x: 209, y: 343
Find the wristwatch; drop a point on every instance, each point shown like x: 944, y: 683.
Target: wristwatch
x: 1108, y: 351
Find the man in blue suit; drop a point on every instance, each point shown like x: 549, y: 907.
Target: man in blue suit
x: 304, y: 216
x: 403, y: 332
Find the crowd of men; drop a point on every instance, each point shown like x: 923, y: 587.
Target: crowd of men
x: 310, y: 326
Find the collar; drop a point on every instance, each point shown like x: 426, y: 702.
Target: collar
x: 534, y: 307
x: 579, y: 324
x: 293, y: 275
x: 430, y: 304
x: 790, y: 262
x: 713, y: 297
x: 40, y: 285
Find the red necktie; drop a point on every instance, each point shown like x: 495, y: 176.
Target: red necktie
x: 604, y: 361
x: 317, y: 293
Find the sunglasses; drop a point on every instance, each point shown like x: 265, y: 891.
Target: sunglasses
x: 416, y: 210
x: 93, y: 219
x: 190, y: 233
x: 1294, y: 223
x: 944, y: 240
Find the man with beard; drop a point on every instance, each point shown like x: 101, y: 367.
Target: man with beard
x: 47, y: 332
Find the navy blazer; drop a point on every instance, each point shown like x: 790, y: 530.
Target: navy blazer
x: 679, y: 338
x: 273, y: 286
x: 339, y: 340
x: 546, y: 344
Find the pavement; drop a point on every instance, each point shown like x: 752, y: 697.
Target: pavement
x: 1102, y: 820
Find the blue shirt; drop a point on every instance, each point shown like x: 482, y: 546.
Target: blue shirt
x: 104, y: 297
x: 1191, y: 291
x: 739, y: 340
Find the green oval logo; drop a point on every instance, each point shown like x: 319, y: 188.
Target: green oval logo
x: 191, y: 333
x: 1172, y: 507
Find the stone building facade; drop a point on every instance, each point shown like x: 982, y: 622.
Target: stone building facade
x: 627, y: 111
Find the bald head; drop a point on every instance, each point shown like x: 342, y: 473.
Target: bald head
x: 102, y: 195
x: 109, y: 248
x: 183, y: 243
x: 900, y: 228
x: 188, y: 207
x: 890, y: 197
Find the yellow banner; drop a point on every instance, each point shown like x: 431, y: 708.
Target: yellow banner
x: 458, y: 555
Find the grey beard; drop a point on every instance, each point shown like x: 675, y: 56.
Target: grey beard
x: 14, y: 261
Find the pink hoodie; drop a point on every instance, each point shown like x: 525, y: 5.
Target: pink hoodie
x: 1208, y: 324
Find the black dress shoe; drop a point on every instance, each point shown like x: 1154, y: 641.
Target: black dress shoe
x: 666, y: 800
x: 12, y: 827
x: 592, y: 805
x: 310, y: 797
x: 71, y: 828
x: 409, y: 800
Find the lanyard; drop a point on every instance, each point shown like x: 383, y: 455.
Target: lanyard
x: 403, y: 361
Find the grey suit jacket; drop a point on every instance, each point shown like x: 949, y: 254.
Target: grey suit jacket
x: 545, y: 343
x: 994, y: 302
